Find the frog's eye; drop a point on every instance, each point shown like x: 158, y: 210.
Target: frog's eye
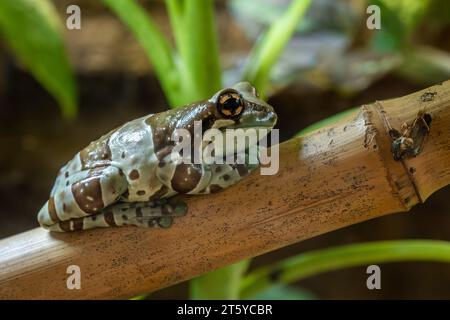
x: 230, y: 104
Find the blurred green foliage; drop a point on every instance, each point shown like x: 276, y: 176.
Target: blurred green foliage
x: 311, y: 263
x: 223, y: 283
x: 399, y: 19
x: 271, y: 44
x: 190, y: 71
x: 156, y: 46
x: 32, y: 30
x: 278, y: 291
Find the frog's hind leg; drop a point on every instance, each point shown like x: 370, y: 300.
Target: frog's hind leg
x: 88, y: 193
x: 158, y: 214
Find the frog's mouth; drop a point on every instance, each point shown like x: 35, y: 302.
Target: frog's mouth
x: 249, y: 136
x: 251, y: 120
x: 268, y: 122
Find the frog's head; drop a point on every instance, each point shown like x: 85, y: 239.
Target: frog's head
x: 241, y: 107
x: 238, y: 107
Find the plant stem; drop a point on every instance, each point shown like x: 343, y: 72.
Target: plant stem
x: 195, y: 36
x: 155, y: 45
x: 201, y: 53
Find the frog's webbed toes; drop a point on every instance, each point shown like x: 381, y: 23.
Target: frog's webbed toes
x: 170, y: 211
x: 164, y: 222
x: 159, y: 213
x: 154, y: 214
x: 172, y: 207
x: 181, y: 208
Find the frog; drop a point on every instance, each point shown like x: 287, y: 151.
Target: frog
x: 128, y: 176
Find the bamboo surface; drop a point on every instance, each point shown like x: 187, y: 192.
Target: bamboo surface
x: 331, y: 178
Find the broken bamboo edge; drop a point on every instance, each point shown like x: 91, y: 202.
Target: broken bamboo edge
x: 334, y: 177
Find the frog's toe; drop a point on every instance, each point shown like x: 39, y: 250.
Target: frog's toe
x: 157, y: 214
x: 160, y: 202
x: 181, y: 208
x: 175, y: 208
x: 165, y: 222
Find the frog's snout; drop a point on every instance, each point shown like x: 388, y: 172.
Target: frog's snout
x: 267, y: 119
x: 266, y: 115
x: 272, y: 117
x: 264, y: 118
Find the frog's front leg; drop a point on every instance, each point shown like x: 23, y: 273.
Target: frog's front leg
x: 225, y: 175
x: 188, y: 178
x: 87, y: 193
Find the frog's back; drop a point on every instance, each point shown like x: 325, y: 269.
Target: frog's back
x: 128, y: 148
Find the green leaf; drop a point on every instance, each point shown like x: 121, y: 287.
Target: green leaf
x: 141, y: 297
x: 154, y: 43
x: 438, y: 13
x: 33, y: 32
x: 269, y: 47
x: 282, y: 292
x: 399, y: 19
x: 315, y: 262
x: 425, y: 65
x: 223, y: 284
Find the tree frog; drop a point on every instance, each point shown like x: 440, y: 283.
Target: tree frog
x: 126, y: 177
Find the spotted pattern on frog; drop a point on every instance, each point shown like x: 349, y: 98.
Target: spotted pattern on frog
x: 128, y: 177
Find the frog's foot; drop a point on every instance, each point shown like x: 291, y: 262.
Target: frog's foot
x: 156, y: 214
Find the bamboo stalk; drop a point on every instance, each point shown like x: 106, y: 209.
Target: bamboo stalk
x: 331, y: 178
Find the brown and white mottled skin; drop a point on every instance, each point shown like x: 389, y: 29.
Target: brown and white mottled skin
x: 127, y: 177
